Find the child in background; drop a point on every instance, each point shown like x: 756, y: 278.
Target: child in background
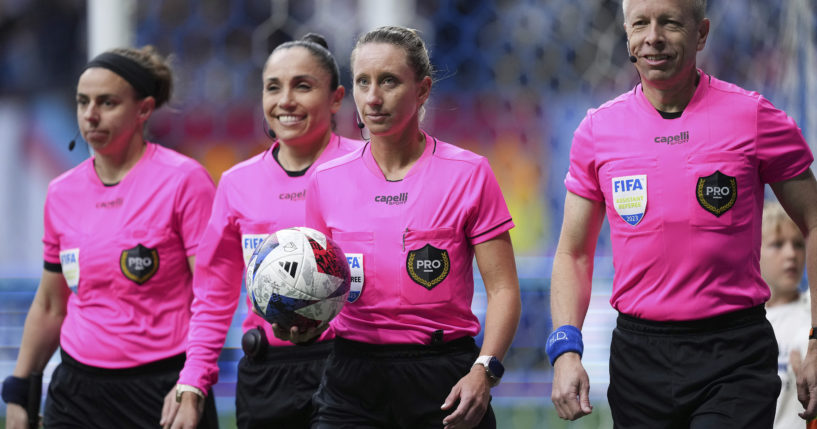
x: 782, y: 261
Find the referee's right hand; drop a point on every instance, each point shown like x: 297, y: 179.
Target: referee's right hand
x: 298, y: 336
x: 16, y: 417
x: 571, y: 387
x: 807, y: 381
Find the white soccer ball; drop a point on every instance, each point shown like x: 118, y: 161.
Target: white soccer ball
x: 298, y: 277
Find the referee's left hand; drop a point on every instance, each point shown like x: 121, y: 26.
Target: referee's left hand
x: 297, y: 336
x: 474, y: 394
x: 807, y: 382
x: 189, y: 412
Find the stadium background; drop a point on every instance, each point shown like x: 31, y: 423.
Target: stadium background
x: 514, y: 79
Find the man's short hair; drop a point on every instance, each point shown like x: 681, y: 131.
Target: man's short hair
x: 698, y: 9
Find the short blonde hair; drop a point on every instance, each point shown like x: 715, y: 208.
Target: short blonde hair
x: 774, y: 217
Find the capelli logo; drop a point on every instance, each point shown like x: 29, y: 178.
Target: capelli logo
x: 682, y: 137
x: 293, y: 196
x: 392, y: 200
x: 110, y: 204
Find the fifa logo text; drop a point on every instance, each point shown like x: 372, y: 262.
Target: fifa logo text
x: 627, y: 185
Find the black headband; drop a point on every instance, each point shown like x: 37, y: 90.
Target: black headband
x: 139, y: 77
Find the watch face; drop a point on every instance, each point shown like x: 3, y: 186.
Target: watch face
x: 495, y: 367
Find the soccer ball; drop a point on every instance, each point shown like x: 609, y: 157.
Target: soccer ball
x: 298, y: 277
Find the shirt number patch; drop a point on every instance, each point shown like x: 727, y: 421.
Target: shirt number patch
x: 356, y: 269
x: 630, y: 197
x: 69, y: 259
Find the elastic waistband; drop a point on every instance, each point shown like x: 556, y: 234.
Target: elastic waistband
x: 173, y: 363
x: 295, y: 353
x: 720, y: 322
x: 391, y: 351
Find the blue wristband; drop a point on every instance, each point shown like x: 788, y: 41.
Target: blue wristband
x: 564, y: 339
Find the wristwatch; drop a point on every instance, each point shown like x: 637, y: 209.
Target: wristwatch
x: 181, y: 388
x: 493, y: 368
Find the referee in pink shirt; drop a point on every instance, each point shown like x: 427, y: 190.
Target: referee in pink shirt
x: 276, y: 379
x: 121, y: 235
x: 411, y: 212
x: 678, y: 165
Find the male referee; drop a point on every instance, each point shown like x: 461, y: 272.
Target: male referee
x: 678, y: 164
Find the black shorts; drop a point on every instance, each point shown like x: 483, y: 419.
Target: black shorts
x: 713, y: 373
x: 275, y: 390
x: 392, y: 386
x: 82, y: 396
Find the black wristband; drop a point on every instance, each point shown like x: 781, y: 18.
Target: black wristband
x: 812, y: 335
x: 15, y: 391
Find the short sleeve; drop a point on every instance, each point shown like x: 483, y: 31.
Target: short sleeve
x: 51, y: 241
x: 194, y: 201
x: 490, y: 216
x: 782, y: 151
x: 582, y: 178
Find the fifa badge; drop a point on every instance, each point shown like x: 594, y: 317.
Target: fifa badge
x: 355, y: 261
x: 69, y: 260
x: 630, y: 197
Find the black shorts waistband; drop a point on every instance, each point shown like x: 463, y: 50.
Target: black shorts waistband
x: 391, y: 351
x: 173, y: 363
x: 735, y: 319
x: 317, y: 350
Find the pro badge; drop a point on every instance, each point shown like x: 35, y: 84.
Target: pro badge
x: 630, y: 197
x: 428, y: 266
x: 139, y: 263
x: 717, y: 192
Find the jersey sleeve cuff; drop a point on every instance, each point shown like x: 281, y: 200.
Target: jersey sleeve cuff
x: 199, y: 378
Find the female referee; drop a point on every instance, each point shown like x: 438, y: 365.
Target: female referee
x: 121, y: 235
x: 413, y: 211
x: 301, y: 92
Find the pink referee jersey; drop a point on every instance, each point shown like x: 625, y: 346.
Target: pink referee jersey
x: 123, y: 251
x: 254, y: 199
x: 684, y: 196
x: 410, y: 243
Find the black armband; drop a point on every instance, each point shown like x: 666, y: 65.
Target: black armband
x: 50, y: 266
x: 15, y: 391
